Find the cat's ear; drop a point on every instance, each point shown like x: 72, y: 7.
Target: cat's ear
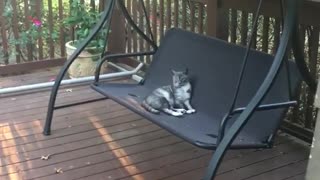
x: 173, y: 72
x: 186, y: 71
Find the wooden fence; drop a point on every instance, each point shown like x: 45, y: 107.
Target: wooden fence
x: 230, y: 20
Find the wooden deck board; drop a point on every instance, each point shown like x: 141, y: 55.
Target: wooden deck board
x: 295, y: 170
x: 297, y: 177
x: 104, y: 140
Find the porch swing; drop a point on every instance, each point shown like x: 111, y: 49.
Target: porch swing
x: 239, y: 101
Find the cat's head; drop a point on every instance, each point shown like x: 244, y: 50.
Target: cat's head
x: 180, y: 78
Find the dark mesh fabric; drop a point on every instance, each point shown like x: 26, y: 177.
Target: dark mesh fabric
x: 214, y: 67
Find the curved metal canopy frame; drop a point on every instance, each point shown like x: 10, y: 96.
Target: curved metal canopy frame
x: 105, y: 18
x: 300, y: 60
x: 290, y: 30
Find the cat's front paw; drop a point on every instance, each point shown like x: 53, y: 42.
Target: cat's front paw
x: 190, y: 111
x: 177, y: 114
x: 183, y: 111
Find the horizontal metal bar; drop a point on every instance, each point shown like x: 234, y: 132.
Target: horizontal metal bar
x: 68, y: 81
x: 267, y: 106
x: 115, y: 56
x: 79, y: 103
x: 134, y: 77
x: 110, y: 57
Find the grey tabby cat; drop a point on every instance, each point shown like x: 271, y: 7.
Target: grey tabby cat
x: 168, y: 98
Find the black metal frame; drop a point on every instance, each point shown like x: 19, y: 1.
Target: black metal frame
x: 263, y: 107
x: 290, y: 30
x: 300, y: 61
x: 225, y: 138
x: 233, y: 110
x: 105, y: 18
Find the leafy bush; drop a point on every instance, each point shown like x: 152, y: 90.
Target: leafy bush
x: 81, y: 19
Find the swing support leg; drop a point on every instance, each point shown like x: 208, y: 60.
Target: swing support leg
x: 237, y: 126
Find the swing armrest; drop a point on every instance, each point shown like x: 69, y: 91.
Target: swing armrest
x: 116, y: 56
x: 267, y: 106
x: 259, y: 108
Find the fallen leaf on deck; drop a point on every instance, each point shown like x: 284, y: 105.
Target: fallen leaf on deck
x: 68, y: 90
x: 58, y: 171
x: 45, y: 157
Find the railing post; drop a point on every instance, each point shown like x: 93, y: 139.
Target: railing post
x: 217, y: 20
x: 3, y: 34
x: 313, y: 166
x: 117, y: 36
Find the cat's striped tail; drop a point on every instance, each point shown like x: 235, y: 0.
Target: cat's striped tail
x: 149, y: 108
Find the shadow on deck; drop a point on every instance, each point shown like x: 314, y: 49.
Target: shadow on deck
x: 104, y: 140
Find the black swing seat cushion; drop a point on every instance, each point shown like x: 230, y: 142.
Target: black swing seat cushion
x: 214, y: 66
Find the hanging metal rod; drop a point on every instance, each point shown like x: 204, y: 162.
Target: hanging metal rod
x: 88, y: 79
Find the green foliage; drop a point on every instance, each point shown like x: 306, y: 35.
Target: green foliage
x: 31, y: 27
x: 37, y: 31
x: 81, y: 20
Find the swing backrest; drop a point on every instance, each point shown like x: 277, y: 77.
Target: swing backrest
x: 214, y: 66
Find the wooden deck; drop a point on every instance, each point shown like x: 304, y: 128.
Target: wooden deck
x: 104, y: 140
